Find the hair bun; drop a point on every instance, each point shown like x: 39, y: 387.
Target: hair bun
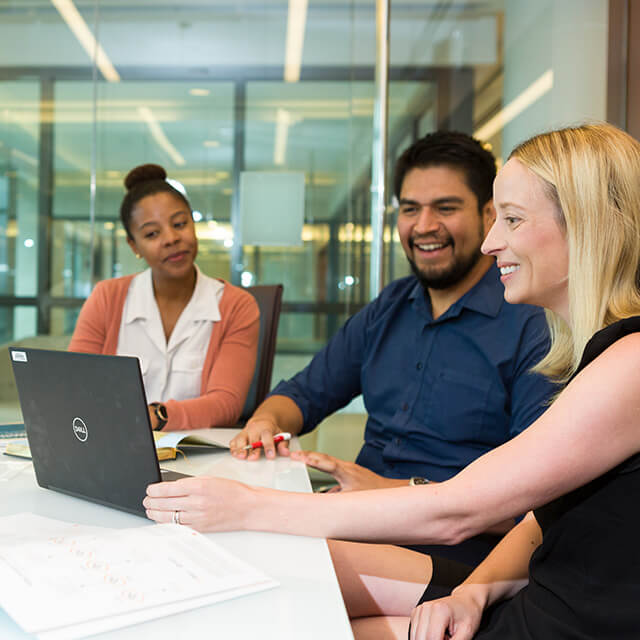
x: 144, y: 173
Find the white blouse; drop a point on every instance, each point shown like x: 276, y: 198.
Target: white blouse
x: 170, y: 370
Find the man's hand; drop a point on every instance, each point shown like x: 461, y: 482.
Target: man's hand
x: 258, y: 429
x: 350, y: 476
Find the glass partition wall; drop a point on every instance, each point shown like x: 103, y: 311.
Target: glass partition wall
x: 213, y: 91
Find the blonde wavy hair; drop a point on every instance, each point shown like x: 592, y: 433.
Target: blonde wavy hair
x: 592, y: 173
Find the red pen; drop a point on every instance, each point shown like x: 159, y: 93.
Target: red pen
x: 279, y: 437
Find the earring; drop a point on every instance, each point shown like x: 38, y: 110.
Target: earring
x: 138, y: 256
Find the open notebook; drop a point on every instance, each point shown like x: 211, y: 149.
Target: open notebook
x: 169, y: 444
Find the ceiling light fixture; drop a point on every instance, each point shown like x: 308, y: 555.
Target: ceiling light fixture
x: 532, y: 93
x: 81, y: 31
x: 283, y: 120
x: 296, y: 25
x: 159, y: 135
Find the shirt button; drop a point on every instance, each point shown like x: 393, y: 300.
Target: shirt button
x: 405, y: 406
x: 418, y: 365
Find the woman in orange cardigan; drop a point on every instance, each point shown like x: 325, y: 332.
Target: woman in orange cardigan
x: 196, y: 337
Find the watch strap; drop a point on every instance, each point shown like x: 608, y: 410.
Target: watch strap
x: 161, y: 414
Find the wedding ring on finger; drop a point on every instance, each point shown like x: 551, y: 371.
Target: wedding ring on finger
x: 176, y: 517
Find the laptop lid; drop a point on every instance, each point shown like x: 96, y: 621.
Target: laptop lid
x: 88, y: 426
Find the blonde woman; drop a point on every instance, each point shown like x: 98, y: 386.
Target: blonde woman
x: 567, y: 237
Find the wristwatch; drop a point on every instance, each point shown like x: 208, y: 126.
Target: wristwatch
x: 161, y: 414
x: 416, y: 480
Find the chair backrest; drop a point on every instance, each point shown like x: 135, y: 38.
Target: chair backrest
x: 269, y: 299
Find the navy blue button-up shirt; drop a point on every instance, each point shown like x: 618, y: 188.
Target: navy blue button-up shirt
x: 439, y: 393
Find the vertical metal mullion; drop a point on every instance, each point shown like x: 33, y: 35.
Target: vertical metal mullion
x: 379, y: 148
x: 94, y: 148
x: 333, y: 267
x: 45, y: 203
x: 239, y: 116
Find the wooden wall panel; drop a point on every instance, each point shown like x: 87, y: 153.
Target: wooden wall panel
x: 623, y: 80
x: 633, y: 70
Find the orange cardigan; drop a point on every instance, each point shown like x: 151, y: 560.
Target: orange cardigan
x: 228, y: 365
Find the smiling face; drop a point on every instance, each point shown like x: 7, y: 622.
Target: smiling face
x: 163, y: 233
x: 441, y: 228
x: 528, y: 241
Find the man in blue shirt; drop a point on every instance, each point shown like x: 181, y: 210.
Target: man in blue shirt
x: 441, y: 360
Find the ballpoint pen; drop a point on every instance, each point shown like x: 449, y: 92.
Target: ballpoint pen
x: 279, y: 437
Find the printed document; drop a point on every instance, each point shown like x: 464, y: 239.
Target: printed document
x: 64, y: 581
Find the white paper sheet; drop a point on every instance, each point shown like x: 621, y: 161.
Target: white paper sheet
x: 64, y: 581
x: 9, y: 465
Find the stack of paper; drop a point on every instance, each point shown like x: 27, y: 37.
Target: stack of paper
x: 63, y: 581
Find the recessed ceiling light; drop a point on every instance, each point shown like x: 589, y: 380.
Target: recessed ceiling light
x: 211, y: 143
x: 199, y: 92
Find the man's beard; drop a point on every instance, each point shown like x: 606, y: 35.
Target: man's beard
x: 448, y: 277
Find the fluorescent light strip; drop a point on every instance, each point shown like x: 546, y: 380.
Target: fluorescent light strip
x: 532, y: 93
x: 31, y: 160
x: 283, y: 119
x: 81, y: 31
x: 296, y: 25
x: 159, y: 135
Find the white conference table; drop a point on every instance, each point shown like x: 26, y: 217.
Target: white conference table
x: 307, y: 604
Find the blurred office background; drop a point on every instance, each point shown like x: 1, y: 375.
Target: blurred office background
x: 212, y: 89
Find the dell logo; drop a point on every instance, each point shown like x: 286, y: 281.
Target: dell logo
x: 80, y: 430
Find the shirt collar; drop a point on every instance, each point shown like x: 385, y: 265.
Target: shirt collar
x: 140, y: 299
x: 203, y: 305
x: 204, y: 302
x: 486, y: 297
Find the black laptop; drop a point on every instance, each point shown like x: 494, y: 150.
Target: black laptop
x: 88, y: 425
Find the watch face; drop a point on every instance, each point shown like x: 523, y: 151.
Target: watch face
x: 416, y: 480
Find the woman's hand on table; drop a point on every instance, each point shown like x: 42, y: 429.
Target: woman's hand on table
x: 204, y: 503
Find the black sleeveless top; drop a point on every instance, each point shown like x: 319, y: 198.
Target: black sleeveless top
x: 584, y: 579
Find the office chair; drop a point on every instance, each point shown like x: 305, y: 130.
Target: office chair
x: 269, y: 299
